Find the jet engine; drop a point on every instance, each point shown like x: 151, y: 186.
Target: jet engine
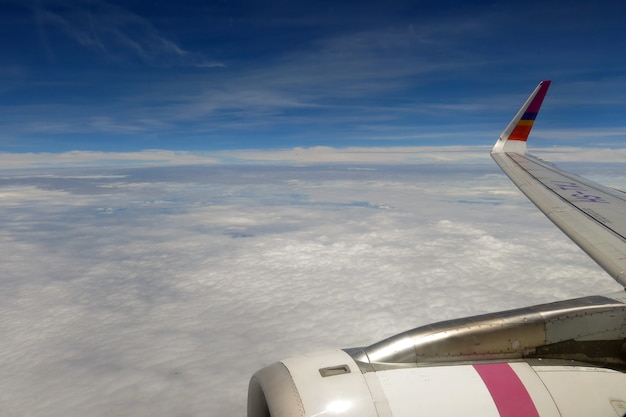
x: 559, y: 359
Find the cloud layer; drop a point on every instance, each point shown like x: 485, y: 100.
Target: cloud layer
x: 161, y: 290
x: 294, y: 156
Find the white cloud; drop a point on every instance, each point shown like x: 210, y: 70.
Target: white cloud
x: 298, y: 155
x: 16, y: 161
x: 161, y: 290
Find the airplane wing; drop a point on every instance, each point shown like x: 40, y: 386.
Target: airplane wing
x: 560, y: 359
x: 592, y: 215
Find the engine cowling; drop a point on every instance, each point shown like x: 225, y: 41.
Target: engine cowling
x: 319, y: 384
x: 298, y: 387
x: 539, y: 361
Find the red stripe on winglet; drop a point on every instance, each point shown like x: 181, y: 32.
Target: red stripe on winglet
x: 507, y: 391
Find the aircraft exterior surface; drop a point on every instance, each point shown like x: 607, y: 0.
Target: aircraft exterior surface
x: 561, y: 359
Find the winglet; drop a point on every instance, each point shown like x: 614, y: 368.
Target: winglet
x: 513, y: 139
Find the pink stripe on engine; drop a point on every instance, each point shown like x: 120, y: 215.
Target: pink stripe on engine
x: 507, y: 391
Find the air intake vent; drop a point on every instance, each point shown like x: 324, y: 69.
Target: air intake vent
x: 334, y: 370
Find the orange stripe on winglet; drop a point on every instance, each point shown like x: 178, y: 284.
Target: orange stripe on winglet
x: 520, y: 132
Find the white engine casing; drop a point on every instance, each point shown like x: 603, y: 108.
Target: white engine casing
x: 485, y: 389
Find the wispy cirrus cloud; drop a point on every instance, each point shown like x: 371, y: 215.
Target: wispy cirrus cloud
x: 113, y: 32
x: 132, y: 76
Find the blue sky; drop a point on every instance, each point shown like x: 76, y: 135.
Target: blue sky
x: 112, y: 76
x: 160, y: 290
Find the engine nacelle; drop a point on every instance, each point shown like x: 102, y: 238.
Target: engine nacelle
x: 546, y: 360
x: 332, y: 384
x: 321, y: 384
